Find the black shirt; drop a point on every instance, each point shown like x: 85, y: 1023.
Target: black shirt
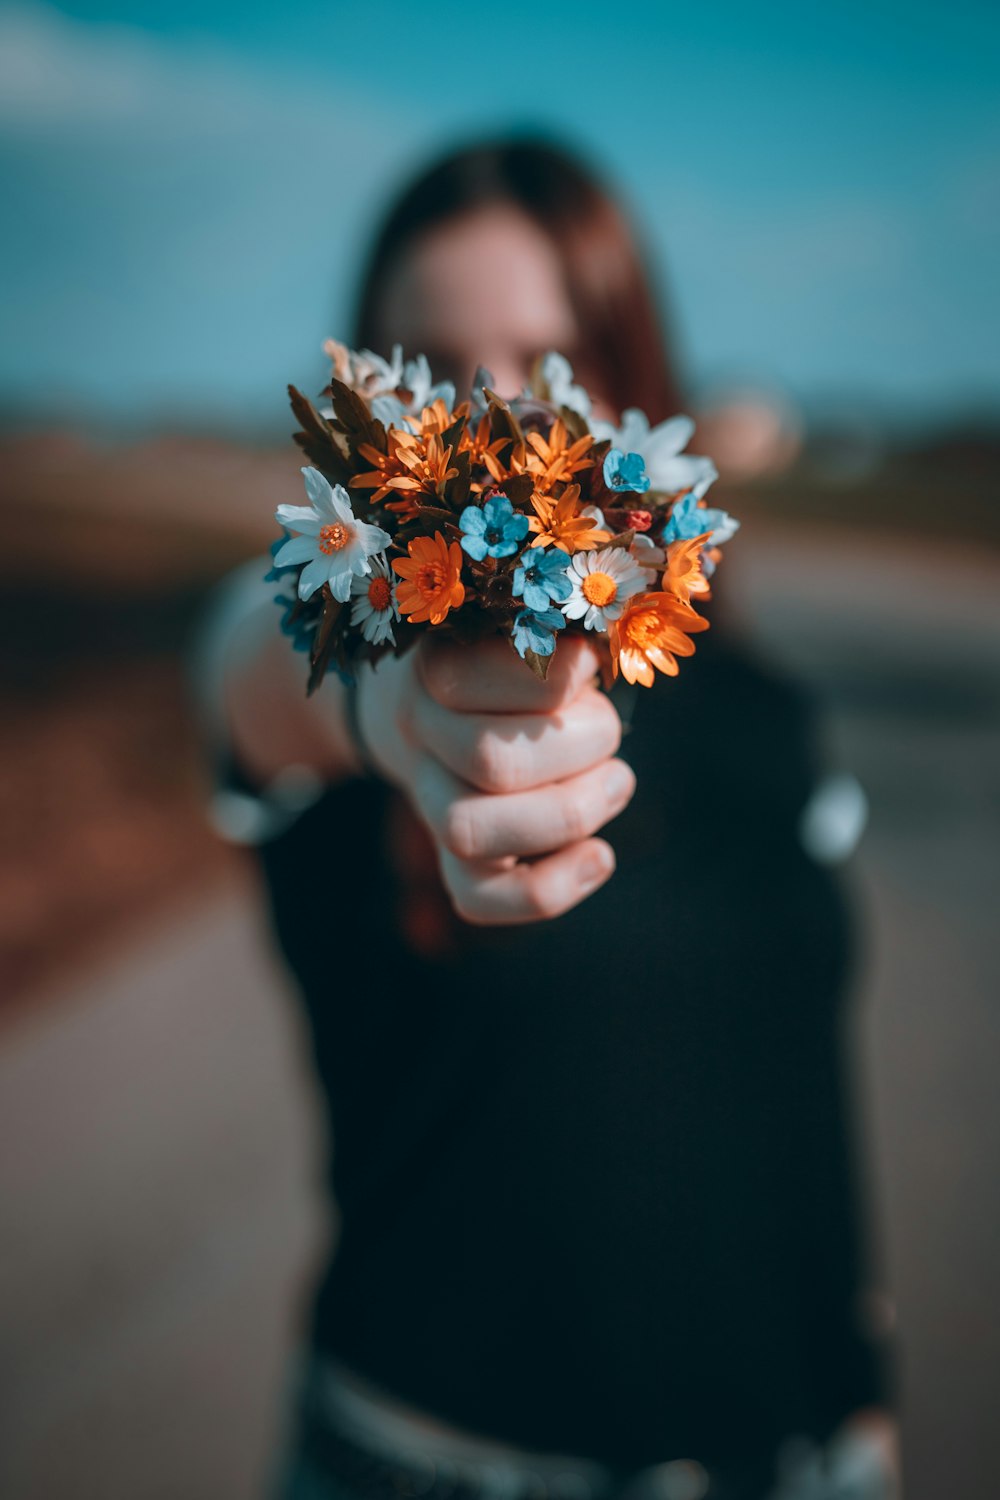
x: 595, y: 1174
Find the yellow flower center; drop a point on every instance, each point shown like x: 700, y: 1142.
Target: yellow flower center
x: 430, y: 580
x: 600, y: 589
x: 380, y: 593
x: 645, y: 629
x: 334, y: 537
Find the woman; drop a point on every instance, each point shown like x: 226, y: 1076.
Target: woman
x: 589, y: 1140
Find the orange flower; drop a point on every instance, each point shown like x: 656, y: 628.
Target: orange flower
x: 652, y: 631
x: 435, y: 418
x: 482, y: 453
x: 552, y: 460
x: 414, y: 464
x: 559, y: 523
x: 683, y: 575
x: 431, y: 584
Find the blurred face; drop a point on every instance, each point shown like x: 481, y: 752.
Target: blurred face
x: 484, y: 288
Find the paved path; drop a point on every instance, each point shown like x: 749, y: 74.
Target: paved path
x: 155, y: 1151
x: 907, y: 656
x: 155, y: 1132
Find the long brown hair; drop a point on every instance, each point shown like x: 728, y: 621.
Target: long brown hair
x: 606, y: 277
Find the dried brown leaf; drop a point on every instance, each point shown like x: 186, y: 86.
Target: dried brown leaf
x: 321, y: 445
x: 353, y: 416
x: 538, y: 664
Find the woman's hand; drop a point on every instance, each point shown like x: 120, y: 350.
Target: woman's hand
x: 513, y: 776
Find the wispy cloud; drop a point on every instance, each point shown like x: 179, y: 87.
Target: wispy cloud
x: 58, y: 74
x: 184, y: 219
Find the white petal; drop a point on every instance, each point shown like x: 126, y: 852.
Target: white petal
x: 708, y: 478
x: 298, y: 549
x: 388, y: 410
x: 372, y: 538
x: 557, y: 372
x: 605, y: 432
x: 299, y: 518
x: 317, y: 488
x: 646, y: 553
x: 340, y: 502
x: 443, y: 391
x: 378, y: 628
x: 682, y: 472
x: 727, y: 527
x: 313, y: 577
x: 634, y: 430
x: 340, y: 585
x: 667, y: 440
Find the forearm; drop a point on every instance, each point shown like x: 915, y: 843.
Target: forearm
x: 251, y: 686
x: 272, y: 724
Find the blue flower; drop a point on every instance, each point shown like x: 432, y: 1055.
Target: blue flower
x: 536, y: 630
x: 626, y: 471
x: 540, y: 577
x: 689, y: 519
x: 671, y: 472
x: 492, y: 530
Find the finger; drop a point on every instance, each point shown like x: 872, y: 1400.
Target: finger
x: 474, y: 826
x: 491, y: 678
x: 534, y: 892
x: 514, y: 752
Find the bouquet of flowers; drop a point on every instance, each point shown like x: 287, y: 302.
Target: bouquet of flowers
x: 524, y: 518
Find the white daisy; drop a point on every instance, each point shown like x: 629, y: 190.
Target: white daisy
x: 420, y: 390
x: 367, y: 373
x: 364, y: 370
x: 670, y: 471
x: 374, y: 607
x: 601, y: 583
x: 645, y: 551
x: 332, y: 542
x: 557, y: 373
x: 418, y: 380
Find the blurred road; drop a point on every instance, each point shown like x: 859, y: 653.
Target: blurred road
x: 157, y: 1143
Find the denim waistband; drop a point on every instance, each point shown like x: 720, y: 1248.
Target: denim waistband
x: 358, y: 1443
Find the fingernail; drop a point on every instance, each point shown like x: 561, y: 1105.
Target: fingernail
x: 596, y: 866
x: 619, y: 784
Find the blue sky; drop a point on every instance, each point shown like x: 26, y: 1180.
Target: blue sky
x: 188, y: 186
